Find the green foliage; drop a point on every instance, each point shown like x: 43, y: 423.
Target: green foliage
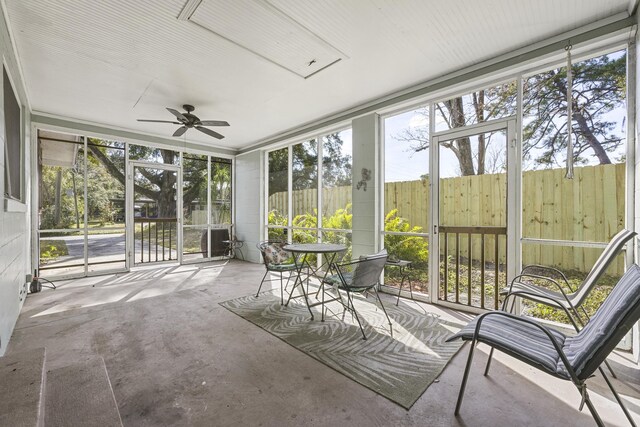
x: 410, y: 248
x: 336, y: 165
x: 50, y: 250
x: 591, y: 304
x: 275, y: 218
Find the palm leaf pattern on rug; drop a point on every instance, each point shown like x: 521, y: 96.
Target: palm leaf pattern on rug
x: 399, y: 367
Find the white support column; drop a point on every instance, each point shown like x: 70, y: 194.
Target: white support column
x: 633, y: 174
x: 366, y: 148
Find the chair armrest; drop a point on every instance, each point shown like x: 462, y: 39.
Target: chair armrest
x: 518, y: 293
x: 547, y: 279
x: 555, y: 270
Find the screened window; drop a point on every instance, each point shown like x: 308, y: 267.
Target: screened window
x: 13, y: 146
x: 566, y: 222
x: 320, y: 196
x: 406, y: 194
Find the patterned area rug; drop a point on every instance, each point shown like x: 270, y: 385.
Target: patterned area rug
x: 399, y: 368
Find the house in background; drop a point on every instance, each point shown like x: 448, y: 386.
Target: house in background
x: 396, y: 124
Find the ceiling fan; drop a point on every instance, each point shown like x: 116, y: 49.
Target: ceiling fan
x: 188, y: 121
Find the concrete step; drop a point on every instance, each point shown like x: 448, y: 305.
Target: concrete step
x: 81, y: 395
x: 22, y: 383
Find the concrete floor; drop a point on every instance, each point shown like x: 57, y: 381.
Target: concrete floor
x: 176, y: 357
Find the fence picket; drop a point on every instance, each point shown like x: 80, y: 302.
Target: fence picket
x: 590, y: 207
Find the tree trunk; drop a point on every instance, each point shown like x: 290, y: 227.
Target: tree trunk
x: 583, y: 125
x: 166, y: 198
x: 463, y: 145
x: 593, y: 142
x: 75, y: 200
x: 478, y: 103
x: 465, y: 157
x: 56, y: 215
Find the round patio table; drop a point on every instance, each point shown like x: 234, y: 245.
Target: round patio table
x: 300, y: 253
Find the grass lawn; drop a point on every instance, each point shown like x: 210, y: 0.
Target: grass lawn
x: 51, y: 250
x: 420, y: 281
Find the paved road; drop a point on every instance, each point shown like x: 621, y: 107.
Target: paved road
x: 104, y: 248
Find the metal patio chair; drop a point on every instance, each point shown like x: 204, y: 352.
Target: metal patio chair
x: 572, y: 358
x: 359, y: 277
x: 572, y: 300
x: 276, y: 260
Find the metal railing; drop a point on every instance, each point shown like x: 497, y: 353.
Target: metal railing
x: 452, y: 286
x: 158, y: 234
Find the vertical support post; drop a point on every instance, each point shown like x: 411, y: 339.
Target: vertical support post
x: 482, y: 269
x: 445, y: 281
x: 457, y: 267
x: 469, y: 266
x: 496, y: 270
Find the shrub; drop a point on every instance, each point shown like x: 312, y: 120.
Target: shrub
x: 410, y: 248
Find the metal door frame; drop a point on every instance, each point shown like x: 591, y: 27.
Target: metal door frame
x: 514, y: 166
x: 131, y: 165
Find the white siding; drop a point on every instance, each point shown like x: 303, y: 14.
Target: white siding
x: 15, y: 234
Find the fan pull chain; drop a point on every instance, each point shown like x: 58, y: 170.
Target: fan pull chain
x: 569, y: 168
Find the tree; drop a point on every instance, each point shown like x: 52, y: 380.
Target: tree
x: 336, y: 165
x: 477, y: 107
x: 599, y: 86
x: 160, y: 185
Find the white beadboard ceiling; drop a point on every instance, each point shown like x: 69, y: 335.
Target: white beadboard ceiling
x: 111, y: 62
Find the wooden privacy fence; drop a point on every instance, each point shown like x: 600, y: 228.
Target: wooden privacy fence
x: 590, y: 207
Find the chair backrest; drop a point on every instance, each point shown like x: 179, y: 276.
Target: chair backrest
x: 272, y: 252
x: 368, y: 270
x: 615, y: 317
x: 605, y: 259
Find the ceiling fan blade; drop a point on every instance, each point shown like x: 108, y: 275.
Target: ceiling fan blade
x: 210, y: 132
x: 159, y: 121
x: 214, y: 123
x: 178, y: 114
x: 180, y: 131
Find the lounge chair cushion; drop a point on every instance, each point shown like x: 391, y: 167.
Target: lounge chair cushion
x: 611, y: 318
x: 507, y: 334
x: 584, y: 351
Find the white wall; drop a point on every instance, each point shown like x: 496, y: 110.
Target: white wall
x: 364, y: 202
x: 15, y: 234
x: 248, y: 201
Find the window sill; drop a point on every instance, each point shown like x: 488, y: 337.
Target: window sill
x: 11, y: 205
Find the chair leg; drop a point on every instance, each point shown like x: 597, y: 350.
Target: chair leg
x: 486, y: 369
x: 281, y: 290
x: 355, y: 313
x: 262, y: 282
x: 592, y: 409
x: 617, y: 396
x: 400, y: 290
x: 464, y: 378
x: 385, y: 313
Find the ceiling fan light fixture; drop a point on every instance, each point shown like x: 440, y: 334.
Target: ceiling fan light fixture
x: 189, y: 120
